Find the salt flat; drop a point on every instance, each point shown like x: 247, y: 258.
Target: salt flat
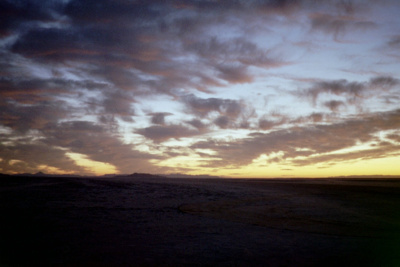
x: 141, y: 221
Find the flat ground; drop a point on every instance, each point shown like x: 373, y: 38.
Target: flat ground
x: 50, y: 221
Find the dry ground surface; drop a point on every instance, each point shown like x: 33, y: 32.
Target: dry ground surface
x: 125, y: 221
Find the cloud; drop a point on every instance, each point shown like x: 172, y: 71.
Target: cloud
x: 76, y: 75
x: 338, y: 25
x: 23, y: 118
x: 310, y: 141
x: 234, y: 74
x: 110, y: 11
x: 50, y: 144
x: 31, y: 103
x: 316, y: 117
x: 203, y: 106
x: 144, y: 55
x: 271, y: 120
x: 225, y: 113
x: 140, y: 56
x: 197, y: 124
x: 118, y: 103
x: 97, y: 144
x: 334, y: 105
x: 394, y: 42
x: 266, y: 124
x: 16, y: 14
x: 380, y: 151
x: 222, y: 122
x: 339, y: 87
x: 268, y: 6
x: 30, y: 90
x: 394, y: 137
x: 353, y: 91
x: 61, y: 44
x: 31, y: 156
x: 159, y: 117
x: 383, y: 82
x: 313, y: 118
x: 237, y: 50
x: 160, y: 133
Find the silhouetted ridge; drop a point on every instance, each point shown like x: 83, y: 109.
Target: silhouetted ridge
x: 182, y: 175
x: 145, y: 175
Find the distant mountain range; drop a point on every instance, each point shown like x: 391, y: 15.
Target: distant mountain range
x: 180, y: 175
x: 136, y: 175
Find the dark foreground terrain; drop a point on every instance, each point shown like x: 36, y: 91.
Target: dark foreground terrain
x: 53, y: 221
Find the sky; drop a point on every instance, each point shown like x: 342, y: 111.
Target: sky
x: 235, y: 88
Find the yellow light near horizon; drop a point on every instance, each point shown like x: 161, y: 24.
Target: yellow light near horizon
x: 265, y: 167
x: 14, y: 161
x: 378, y: 166
x: 53, y: 170
x: 94, y: 167
x: 193, y: 161
x: 356, y: 160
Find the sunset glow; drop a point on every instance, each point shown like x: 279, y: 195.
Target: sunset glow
x: 230, y: 88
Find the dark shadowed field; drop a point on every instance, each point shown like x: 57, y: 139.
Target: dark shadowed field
x: 56, y: 221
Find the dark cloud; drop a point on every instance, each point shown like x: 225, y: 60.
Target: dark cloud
x: 312, y: 118
x: 348, y: 6
x: 383, y: 82
x: 334, y: 105
x: 32, y: 103
x: 203, y: 106
x: 266, y: 124
x: 160, y: 133
x: 316, y: 117
x: 90, y: 37
x: 22, y: 118
x: 123, y: 42
x: 197, y: 124
x: 118, y: 103
x: 31, y: 90
x: 394, y: 41
x: 138, y: 48
x: 238, y: 50
x: 113, y: 12
x: 353, y: 91
x: 272, y: 120
x: 16, y: 14
x: 159, y: 117
x: 264, y: 6
x: 60, y: 44
x: 340, y: 87
x: 338, y: 25
x: 222, y: 122
x: 234, y: 74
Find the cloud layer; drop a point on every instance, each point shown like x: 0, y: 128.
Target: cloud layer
x: 196, y: 86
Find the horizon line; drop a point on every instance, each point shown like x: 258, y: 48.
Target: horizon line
x: 203, y: 176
